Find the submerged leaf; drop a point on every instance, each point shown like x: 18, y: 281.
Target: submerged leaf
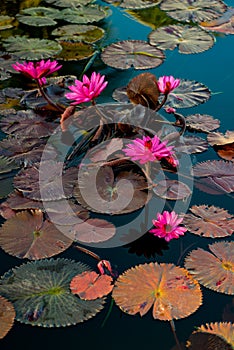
x: 219, y: 263
x: 168, y: 288
x: 210, y: 221
x: 7, y: 316
x: 89, y: 285
x: 47, y: 300
x: 132, y: 53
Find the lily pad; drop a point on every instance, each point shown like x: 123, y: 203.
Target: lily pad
x: 189, y: 93
x: 223, y: 24
x: 217, y: 173
x: 89, y: 285
x: 93, y: 231
x: 38, y: 16
x: 7, y: 316
x: 46, y: 181
x: 75, y: 32
x: 73, y: 51
x: 27, y: 124
x: 7, y: 165
x: 34, y: 238
x: 224, y: 330
x: 132, y: 53
x: 69, y: 3
x: 6, y: 22
x: 202, y: 122
x: 191, y: 144
x: 83, y: 14
x: 47, y: 300
x: 205, y: 341
x: 188, y: 39
x: 212, y: 222
x: 196, y: 10
x: 219, y: 139
x: 31, y: 48
x: 219, y: 263
x: 17, y: 201
x: 172, y: 189
x: 168, y: 288
x: 134, y: 4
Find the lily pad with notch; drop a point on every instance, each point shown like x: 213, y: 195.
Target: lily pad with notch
x: 74, y: 51
x: 38, y: 16
x: 79, y: 32
x: 202, y: 123
x: 84, y: 14
x: 132, y: 53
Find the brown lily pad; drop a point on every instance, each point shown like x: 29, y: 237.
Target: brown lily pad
x: 27, y: 235
x: 7, y: 316
x: 191, y: 144
x: 223, y: 329
x: 93, y: 231
x: 202, y: 122
x: 89, y: 285
x: 172, y: 189
x: 219, y: 263
x: 212, y: 222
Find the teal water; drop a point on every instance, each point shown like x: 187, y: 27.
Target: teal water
x: 214, y: 68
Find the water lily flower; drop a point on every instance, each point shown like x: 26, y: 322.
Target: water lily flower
x: 37, y: 70
x: 167, y: 226
x: 87, y: 89
x: 167, y: 83
x: 148, y: 149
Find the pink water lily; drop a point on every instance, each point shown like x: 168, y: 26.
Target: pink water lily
x: 37, y: 70
x: 148, y: 149
x: 87, y: 89
x: 167, y: 226
x: 167, y: 83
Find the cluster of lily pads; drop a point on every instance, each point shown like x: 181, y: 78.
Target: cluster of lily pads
x: 45, y: 122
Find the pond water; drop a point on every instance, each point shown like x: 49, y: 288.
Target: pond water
x: 111, y: 328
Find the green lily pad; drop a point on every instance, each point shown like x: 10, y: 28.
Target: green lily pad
x: 75, y: 51
x: 31, y: 48
x: 76, y: 32
x: 7, y: 165
x: 134, y: 4
x: 188, y: 39
x: 6, y: 22
x: 196, y: 11
x: 83, y: 14
x: 69, y: 3
x: 38, y: 16
x: 132, y: 53
x: 47, y: 300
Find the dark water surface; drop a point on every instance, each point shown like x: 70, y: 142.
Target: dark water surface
x: 214, y: 68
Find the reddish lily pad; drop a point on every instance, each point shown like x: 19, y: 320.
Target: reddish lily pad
x: 132, y: 53
x: 223, y: 24
x: 202, y: 122
x: 219, y: 139
x: 34, y: 238
x: 196, y: 11
x: 93, y: 231
x: 219, y: 263
x: 217, y: 173
x: 17, y: 201
x: 188, y: 39
x: 212, y: 222
x: 7, y: 316
x: 168, y: 288
x: 89, y: 285
x: 172, y: 189
x: 46, y: 181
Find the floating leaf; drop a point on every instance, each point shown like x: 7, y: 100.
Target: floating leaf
x: 189, y: 93
x: 89, y: 285
x: 217, y: 173
x: 75, y: 51
x: 6, y: 186
x: 83, y: 14
x: 34, y: 238
x: 47, y: 300
x: 31, y: 48
x: 219, y: 264
x: 134, y: 4
x: 168, y: 288
x: 7, y: 316
x: 6, y: 22
x: 69, y: 3
x: 219, y: 139
x: 27, y: 124
x: 210, y: 221
x: 16, y: 201
x: 105, y: 193
x: 7, y: 165
x: 79, y: 32
x: 94, y: 231
x: 143, y: 89
x: 188, y: 39
x: 223, y: 24
x: 46, y: 181
x: 223, y: 329
x: 104, y: 150
x: 206, y: 341
x: 38, y: 16
x: 191, y: 144
x: 202, y: 122
x: 172, y: 189
x: 196, y: 11
x: 132, y: 53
